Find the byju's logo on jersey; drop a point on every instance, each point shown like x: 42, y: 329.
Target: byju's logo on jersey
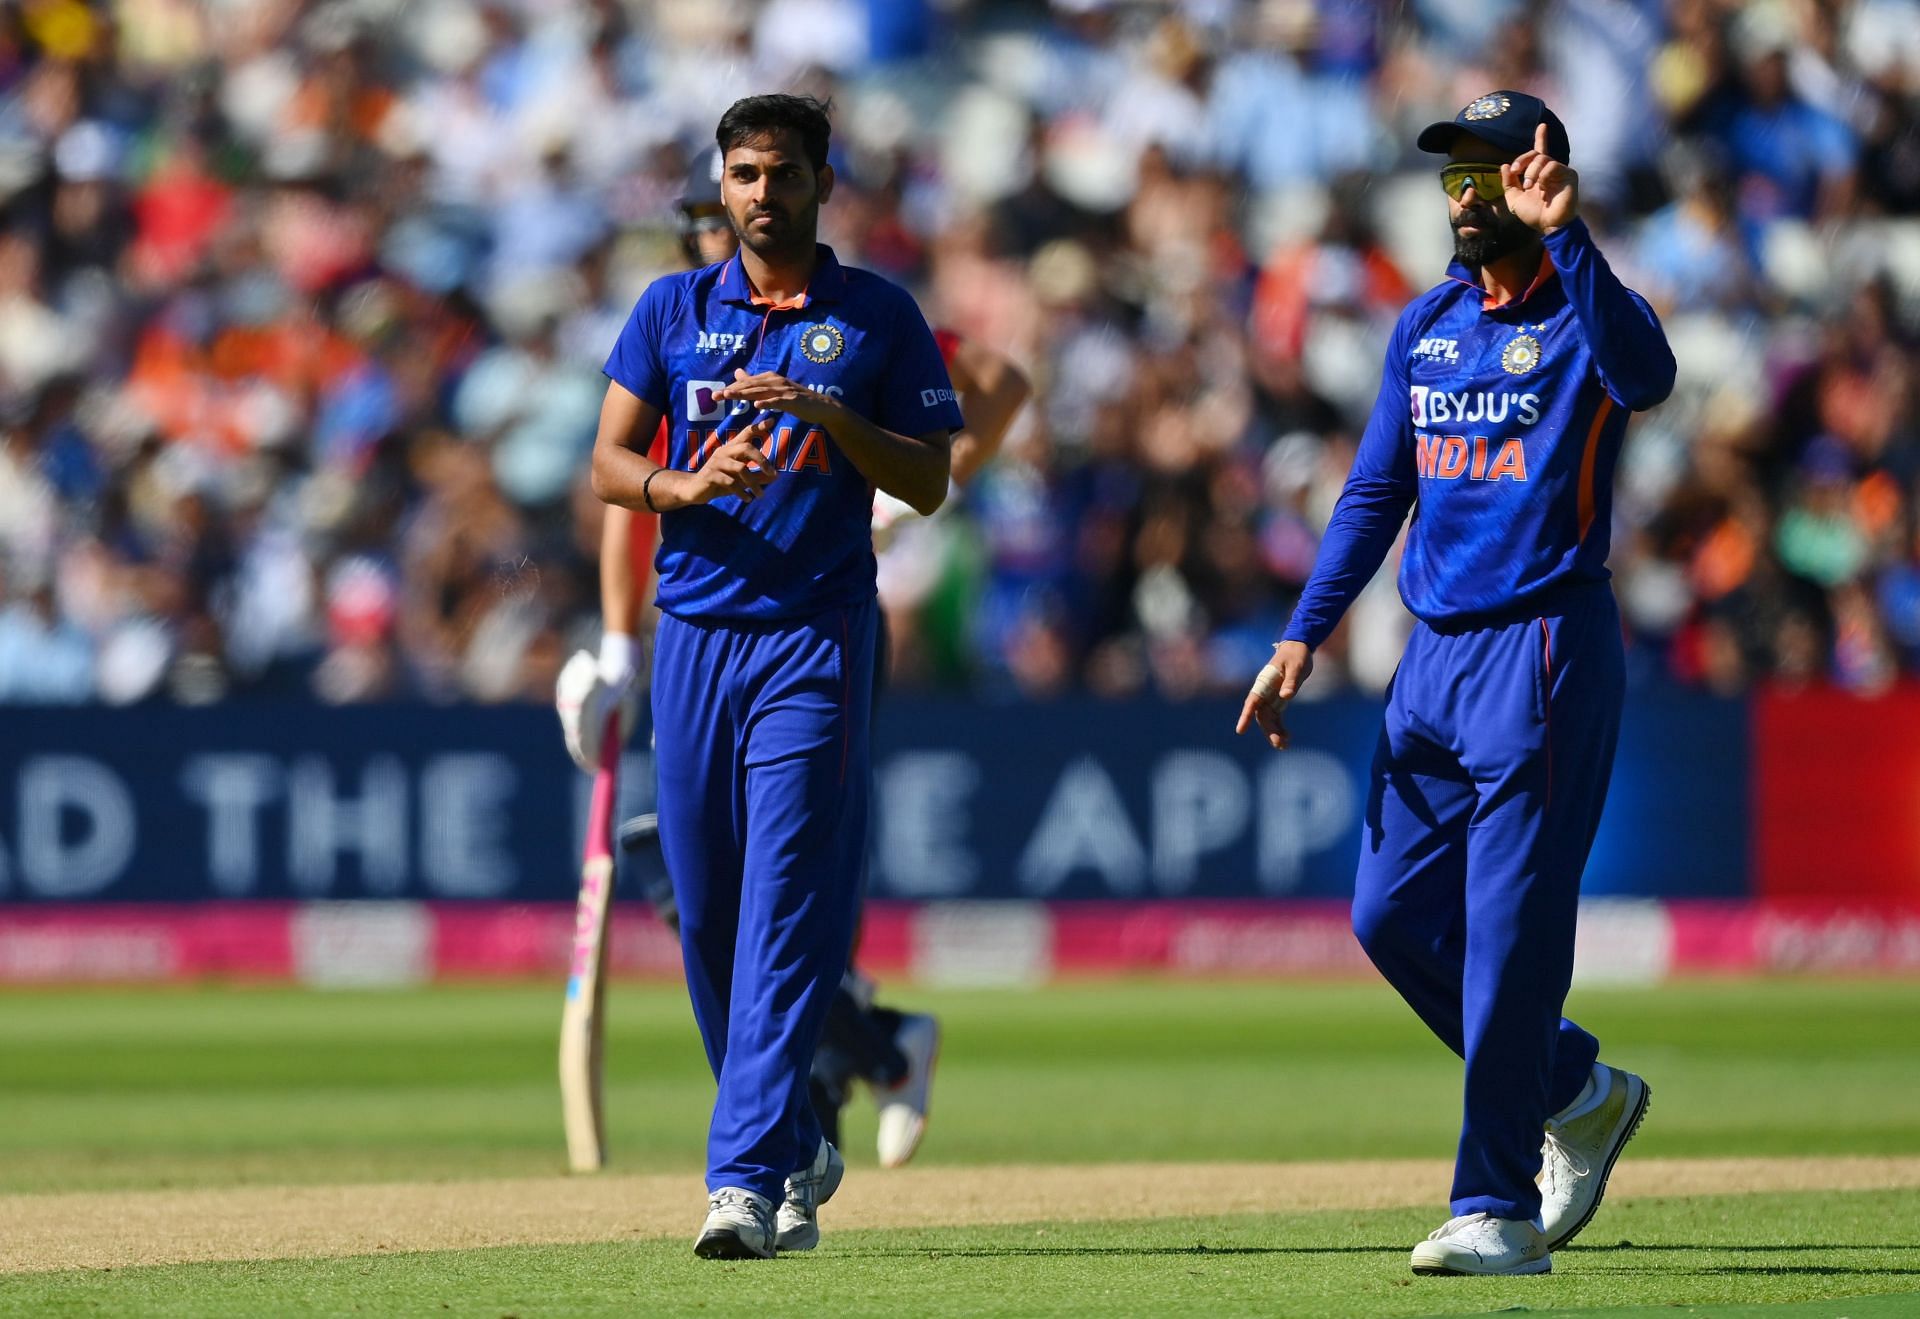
x: 933, y: 398
x: 703, y: 406
x: 1431, y: 407
x: 712, y: 341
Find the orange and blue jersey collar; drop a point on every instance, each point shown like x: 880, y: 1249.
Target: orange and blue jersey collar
x: 1464, y: 274
x: 828, y: 284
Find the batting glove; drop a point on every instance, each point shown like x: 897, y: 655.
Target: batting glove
x: 588, y: 691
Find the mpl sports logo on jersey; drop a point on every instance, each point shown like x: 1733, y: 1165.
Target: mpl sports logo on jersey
x: 712, y: 341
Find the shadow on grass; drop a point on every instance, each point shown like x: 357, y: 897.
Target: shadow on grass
x: 1801, y: 1270
x: 1188, y: 1252
x: 1774, y: 1247
x: 1617, y: 1248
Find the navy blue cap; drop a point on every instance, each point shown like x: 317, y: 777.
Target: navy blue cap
x: 1506, y: 119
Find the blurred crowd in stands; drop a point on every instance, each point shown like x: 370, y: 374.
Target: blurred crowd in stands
x: 303, y: 308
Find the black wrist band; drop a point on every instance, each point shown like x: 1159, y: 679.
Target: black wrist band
x: 646, y: 491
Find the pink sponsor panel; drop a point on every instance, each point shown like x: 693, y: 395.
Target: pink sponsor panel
x: 482, y: 940
x: 1815, y: 937
x: 885, y: 938
x: 1205, y: 939
x: 1713, y: 938
x: 389, y: 943
x: 380, y: 943
x: 1801, y: 936
x: 69, y: 944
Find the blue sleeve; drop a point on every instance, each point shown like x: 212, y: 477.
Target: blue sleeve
x: 636, y: 362
x: 915, y: 394
x: 1379, y: 491
x: 1623, y: 334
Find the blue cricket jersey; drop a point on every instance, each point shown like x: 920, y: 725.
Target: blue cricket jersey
x: 1500, y: 425
x: 806, y: 544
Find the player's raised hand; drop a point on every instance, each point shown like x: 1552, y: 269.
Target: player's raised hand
x: 740, y: 466
x: 1541, y: 192
x: 772, y: 392
x: 1276, y: 684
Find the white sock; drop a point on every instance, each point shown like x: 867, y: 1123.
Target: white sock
x: 1589, y: 1098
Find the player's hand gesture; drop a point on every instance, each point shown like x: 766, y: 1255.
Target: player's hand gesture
x: 738, y: 467
x: 1543, y: 193
x: 772, y: 392
x: 1273, y: 687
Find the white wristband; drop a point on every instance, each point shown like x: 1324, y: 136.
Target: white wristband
x: 619, y: 658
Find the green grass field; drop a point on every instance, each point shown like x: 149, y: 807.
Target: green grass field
x: 137, y: 1091
x: 1711, y: 1253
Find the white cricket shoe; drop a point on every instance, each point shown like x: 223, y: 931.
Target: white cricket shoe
x: 903, y: 1107
x: 808, y: 1189
x: 739, y: 1226
x: 1580, y: 1150
x: 1481, y: 1243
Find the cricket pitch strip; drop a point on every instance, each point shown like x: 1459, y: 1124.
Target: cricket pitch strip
x: 128, y: 1229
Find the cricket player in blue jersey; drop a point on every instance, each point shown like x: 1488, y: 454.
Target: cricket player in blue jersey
x: 892, y: 1052
x: 793, y: 387
x: 1499, y: 421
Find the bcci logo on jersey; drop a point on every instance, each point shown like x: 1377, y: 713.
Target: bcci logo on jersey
x: 822, y: 343
x: 1521, y: 356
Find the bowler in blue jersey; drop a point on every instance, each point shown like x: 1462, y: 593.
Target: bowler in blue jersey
x: 792, y: 388
x: 1498, y: 425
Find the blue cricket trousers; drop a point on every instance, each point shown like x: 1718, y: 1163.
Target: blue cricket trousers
x: 760, y: 737
x: 1487, y: 787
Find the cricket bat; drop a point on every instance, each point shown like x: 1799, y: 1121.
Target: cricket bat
x: 583, y: 1019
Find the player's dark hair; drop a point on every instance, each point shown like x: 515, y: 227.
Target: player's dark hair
x: 755, y: 117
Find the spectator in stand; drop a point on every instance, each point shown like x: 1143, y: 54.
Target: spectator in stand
x: 299, y: 304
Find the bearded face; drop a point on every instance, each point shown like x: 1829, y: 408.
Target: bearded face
x: 1489, y: 234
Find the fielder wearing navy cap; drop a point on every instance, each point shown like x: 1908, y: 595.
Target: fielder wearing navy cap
x: 1506, y: 119
x: 1503, y: 404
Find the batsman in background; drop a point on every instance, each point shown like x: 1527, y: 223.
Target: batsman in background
x: 1499, y: 421
x: 792, y: 387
